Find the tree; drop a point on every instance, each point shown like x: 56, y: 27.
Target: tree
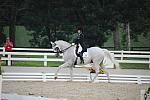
x: 135, y: 15
x: 3, y: 38
x: 51, y: 20
x: 61, y: 18
x: 10, y: 14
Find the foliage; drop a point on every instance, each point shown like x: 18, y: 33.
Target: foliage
x: 58, y: 19
x: 61, y: 22
x: 2, y: 39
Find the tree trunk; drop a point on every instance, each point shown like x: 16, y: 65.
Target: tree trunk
x: 12, y: 25
x: 128, y: 38
x: 116, y: 36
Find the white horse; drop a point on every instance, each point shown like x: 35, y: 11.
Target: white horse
x: 95, y: 56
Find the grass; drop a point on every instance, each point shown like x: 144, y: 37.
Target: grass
x: 134, y: 66
x: 22, y: 36
x: 33, y: 64
x: 142, y: 41
x: 56, y: 64
x: 31, y: 56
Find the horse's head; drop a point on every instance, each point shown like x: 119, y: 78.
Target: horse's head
x: 55, y: 47
x: 60, y: 46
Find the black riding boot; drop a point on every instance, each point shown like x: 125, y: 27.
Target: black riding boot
x: 81, y: 57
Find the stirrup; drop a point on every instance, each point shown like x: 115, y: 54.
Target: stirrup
x: 81, y: 54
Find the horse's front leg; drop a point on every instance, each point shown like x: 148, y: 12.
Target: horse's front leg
x: 61, y: 66
x: 71, y: 73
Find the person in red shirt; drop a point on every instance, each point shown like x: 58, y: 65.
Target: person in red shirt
x: 8, y: 45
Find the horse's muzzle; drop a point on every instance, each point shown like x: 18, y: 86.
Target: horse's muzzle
x: 57, y: 50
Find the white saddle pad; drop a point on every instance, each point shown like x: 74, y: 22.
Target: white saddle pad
x: 85, y: 54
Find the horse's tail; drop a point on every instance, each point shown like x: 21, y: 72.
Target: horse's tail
x: 112, y: 58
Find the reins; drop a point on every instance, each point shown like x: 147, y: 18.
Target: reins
x: 66, y: 49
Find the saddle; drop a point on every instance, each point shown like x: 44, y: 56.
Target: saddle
x: 85, y: 54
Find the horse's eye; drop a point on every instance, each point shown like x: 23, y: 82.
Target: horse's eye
x: 56, y: 49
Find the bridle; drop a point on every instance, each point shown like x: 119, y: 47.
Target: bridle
x: 61, y: 51
x: 66, y: 49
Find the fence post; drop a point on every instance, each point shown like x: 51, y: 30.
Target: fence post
x: 44, y: 76
x: 45, y: 60
x: 121, y: 54
x: 139, y: 80
x: 9, y: 59
x: 149, y: 62
x: 3, y: 51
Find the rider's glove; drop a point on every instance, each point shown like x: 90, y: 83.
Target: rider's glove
x: 73, y: 44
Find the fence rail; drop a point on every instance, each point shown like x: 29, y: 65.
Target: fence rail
x: 139, y: 79
x: 132, y: 48
x: 120, y: 55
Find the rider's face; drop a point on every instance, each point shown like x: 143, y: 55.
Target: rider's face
x: 79, y: 31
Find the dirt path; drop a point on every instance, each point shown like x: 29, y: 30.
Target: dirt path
x: 76, y: 90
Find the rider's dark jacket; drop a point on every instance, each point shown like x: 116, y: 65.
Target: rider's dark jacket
x: 80, y: 40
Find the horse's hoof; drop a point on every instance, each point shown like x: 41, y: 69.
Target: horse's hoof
x: 91, y: 81
x: 55, y: 78
x: 69, y: 80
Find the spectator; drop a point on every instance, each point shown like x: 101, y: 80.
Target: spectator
x: 8, y: 45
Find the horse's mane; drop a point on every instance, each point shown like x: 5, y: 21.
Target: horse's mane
x: 62, y: 42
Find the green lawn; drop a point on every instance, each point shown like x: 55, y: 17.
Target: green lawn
x: 134, y: 66
x: 56, y: 64
x: 22, y: 36
x: 31, y: 56
x: 33, y: 64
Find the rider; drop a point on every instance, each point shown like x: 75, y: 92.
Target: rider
x: 80, y: 40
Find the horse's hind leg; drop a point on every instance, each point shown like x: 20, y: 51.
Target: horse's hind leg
x: 96, y: 74
x: 105, y: 72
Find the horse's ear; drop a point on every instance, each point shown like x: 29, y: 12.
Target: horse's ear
x: 52, y: 42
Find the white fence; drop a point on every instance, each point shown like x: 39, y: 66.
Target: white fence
x: 45, y: 58
x: 120, y: 55
x: 139, y: 79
